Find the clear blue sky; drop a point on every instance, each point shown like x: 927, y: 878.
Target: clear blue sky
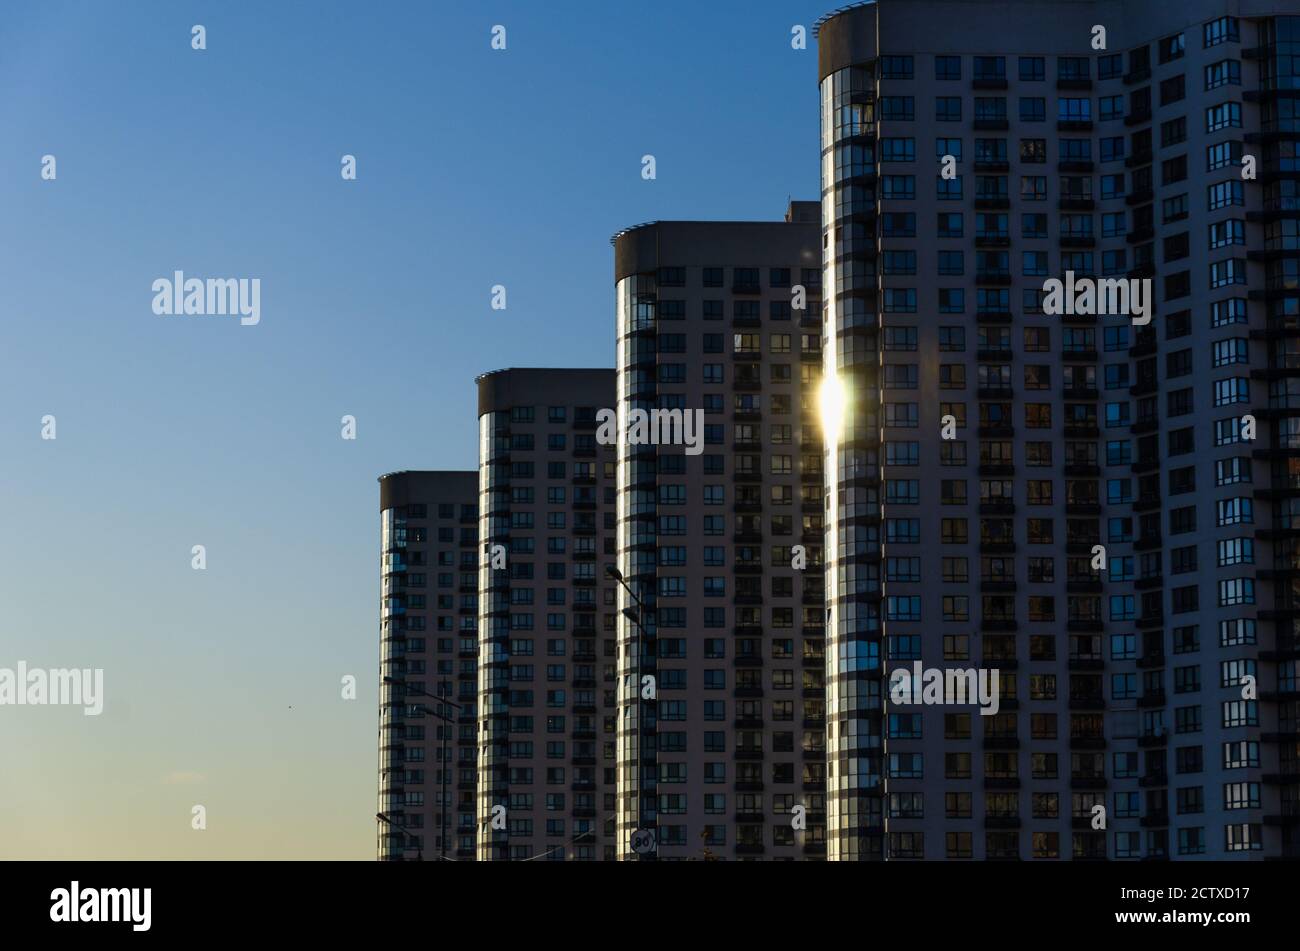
x: 475, y: 168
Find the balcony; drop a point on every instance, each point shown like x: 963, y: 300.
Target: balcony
x: 1151, y: 659
x: 1088, y: 702
x: 1001, y: 782
x: 1079, y: 355
x: 1087, y: 782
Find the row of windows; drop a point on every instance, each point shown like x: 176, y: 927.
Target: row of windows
x: 1034, y: 188
x: 1034, y: 225
x: 855, y: 158
x: 1041, y: 569
x: 1071, y: 109
x: 1232, y: 592
x: 1189, y: 760
x: 1225, y: 29
x: 1038, y: 340
x: 1231, y: 632
x: 742, y: 277
x: 998, y: 376
x: 1190, y: 800
x: 1227, y: 431
x: 1241, y: 837
x: 554, y: 414
x: 953, y: 452
x: 670, y: 309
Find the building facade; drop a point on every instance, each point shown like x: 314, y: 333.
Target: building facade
x: 428, y: 655
x: 546, y: 677
x: 1097, y: 504
x: 1096, y: 523
x: 723, y: 758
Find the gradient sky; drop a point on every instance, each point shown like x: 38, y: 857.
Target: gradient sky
x: 475, y: 168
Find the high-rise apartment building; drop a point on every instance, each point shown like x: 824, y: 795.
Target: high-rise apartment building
x: 546, y: 679
x: 1114, y: 141
x: 724, y: 757
x: 428, y: 653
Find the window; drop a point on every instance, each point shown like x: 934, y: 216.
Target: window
x: 1231, y: 311
x: 1033, y: 151
x: 1222, y: 155
x: 1074, y: 110
x: 898, y: 150
x: 1223, y: 116
x: 1173, y: 89
x: 947, y: 108
x: 895, y: 67
x: 991, y: 68
x: 1229, y: 351
x: 1070, y: 68
x: 898, y: 187
x: 943, y: 146
x: 1227, y: 193
x: 947, y: 67
x: 1033, y: 109
x: 902, y: 108
x: 1033, y: 69
x: 1173, y: 132
x: 1223, y: 73
x: 1222, y: 30
x: 1226, y: 272
x: 1171, y: 48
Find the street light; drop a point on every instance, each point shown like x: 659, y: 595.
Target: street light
x: 637, y: 617
x: 446, y: 762
x: 419, y: 851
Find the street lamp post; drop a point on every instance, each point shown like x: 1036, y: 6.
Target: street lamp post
x: 637, y: 617
x: 442, y: 849
x: 419, y: 852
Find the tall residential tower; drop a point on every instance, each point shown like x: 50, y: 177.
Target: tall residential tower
x: 720, y: 543
x: 1099, y: 140
x: 428, y: 653
x: 546, y: 603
